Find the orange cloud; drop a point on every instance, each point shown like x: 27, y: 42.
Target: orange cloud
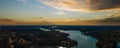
x: 62, y: 22
x: 10, y: 22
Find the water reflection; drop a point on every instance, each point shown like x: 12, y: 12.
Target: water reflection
x: 118, y: 45
x: 83, y: 41
x: 105, y: 38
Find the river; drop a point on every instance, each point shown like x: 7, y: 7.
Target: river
x: 83, y: 41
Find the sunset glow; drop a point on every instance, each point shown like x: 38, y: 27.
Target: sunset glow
x: 62, y: 12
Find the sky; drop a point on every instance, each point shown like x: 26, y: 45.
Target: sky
x: 57, y: 10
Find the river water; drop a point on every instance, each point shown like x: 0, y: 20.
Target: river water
x: 118, y: 45
x: 83, y: 41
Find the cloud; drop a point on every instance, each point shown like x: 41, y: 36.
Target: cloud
x: 59, y: 13
x: 38, y: 6
x: 114, y: 14
x: 15, y: 22
x: 107, y: 21
x: 6, y: 20
x: 10, y: 22
x: 114, y: 20
x: 82, y: 5
x: 23, y: 1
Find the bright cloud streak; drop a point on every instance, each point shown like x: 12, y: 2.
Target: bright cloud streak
x: 59, y: 13
x: 82, y: 5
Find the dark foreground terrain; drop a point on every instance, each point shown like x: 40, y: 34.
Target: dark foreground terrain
x: 48, y: 37
x: 107, y: 38
x: 34, y: 38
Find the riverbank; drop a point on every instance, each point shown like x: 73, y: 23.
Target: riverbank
x: 107, y: 38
